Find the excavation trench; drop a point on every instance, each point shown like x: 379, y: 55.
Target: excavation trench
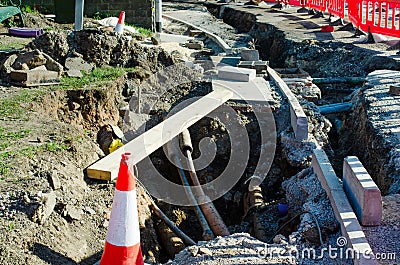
x: 351, y: 133
x: 93, y: 108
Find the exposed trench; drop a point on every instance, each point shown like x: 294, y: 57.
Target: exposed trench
x: 94, y: 108
x: 351, y: 134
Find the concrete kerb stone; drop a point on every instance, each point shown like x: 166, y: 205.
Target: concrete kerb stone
x: 350, y: 227
x: 298, y: 117
x: 362, y: 192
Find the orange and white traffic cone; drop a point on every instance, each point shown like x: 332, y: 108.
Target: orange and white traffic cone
x: 123, y: 235
x: 121, y: 23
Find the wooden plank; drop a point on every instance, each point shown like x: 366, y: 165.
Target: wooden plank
x: 298, y: 117
x: 148, y: 142
x: 363, y: 193
x: 349, y: 225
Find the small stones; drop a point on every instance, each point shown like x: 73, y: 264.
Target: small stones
x: 72, y: 213
x: 205, y: 251
x: 395, y: 90
x: 90, y: 210
x: 54, y: 181
x: 45, y: 208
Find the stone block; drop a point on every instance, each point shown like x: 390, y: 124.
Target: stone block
x: 250, y: 55
x: 236, y: 74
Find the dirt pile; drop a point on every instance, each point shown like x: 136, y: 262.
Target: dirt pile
x: 102, y: 49
x: 88, y: 108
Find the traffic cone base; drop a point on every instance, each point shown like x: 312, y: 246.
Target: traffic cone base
x: 122, y: 255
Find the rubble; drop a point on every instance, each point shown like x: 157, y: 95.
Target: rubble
x: 304, y: 193
x: 237, y: 249
x: 100, y: 49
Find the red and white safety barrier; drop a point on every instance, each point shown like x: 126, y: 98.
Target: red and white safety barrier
x: 374, y: 16
x: 123, y: 235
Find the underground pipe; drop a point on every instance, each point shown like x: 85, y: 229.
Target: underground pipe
x: 255, y: 200
x: 163, y: 217
x: 207, y: 232
x: 160, y: 214
x: 172, y: 152
x: 338, y: 80
x: 214, y: 219
x: 335, y: 108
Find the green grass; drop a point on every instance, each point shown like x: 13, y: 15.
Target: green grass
x: 101, y: 74
x: 4, y: 135
x: 11, y: 226
x: 29, y: 9
x: 142, y: 31
x: 12, y: 45
x: 11, y: 108
x: 8, y: 138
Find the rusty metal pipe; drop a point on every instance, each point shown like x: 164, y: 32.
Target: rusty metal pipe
x: 214, y: 219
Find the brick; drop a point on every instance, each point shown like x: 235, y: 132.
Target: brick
x: 364, y: 195
x: 236, y: 74
x: 246, y: 64
x: 174, y: 38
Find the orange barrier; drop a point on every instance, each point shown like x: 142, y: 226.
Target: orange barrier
x: 379, y: 17
x: 336, y: 7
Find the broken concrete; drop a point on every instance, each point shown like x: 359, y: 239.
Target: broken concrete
x: 75, y: 65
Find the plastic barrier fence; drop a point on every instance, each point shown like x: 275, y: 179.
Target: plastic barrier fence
x: 302, y: 3
x: 319, y: 5
x: 375, y: 16
x: 379, y: 17
x: 336, y: 7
